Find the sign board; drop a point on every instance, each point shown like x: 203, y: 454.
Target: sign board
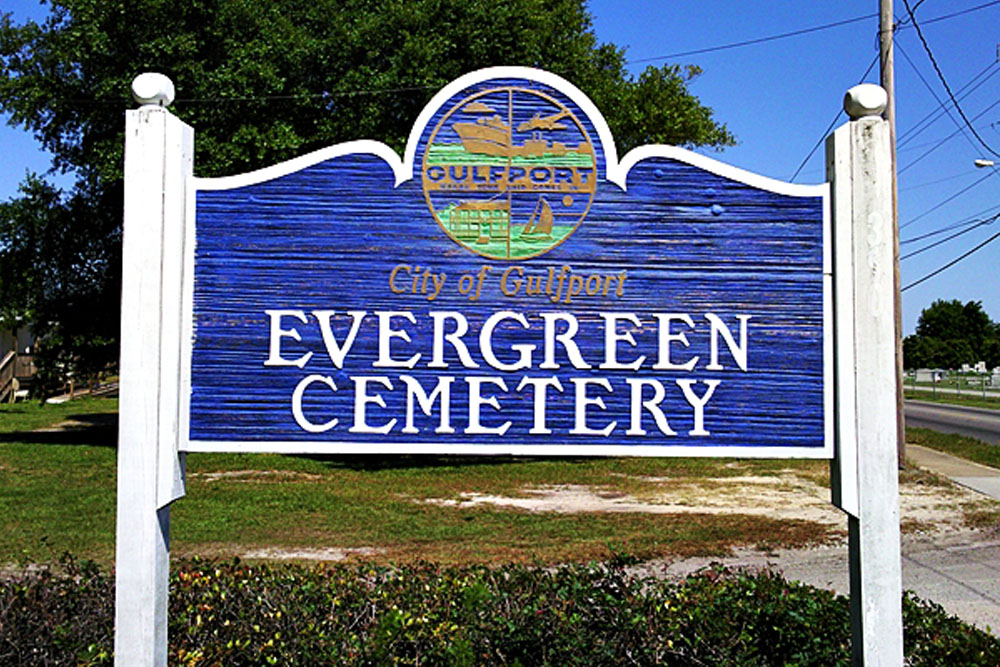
x: 509, y: 286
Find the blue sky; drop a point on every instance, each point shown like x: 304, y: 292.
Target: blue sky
x: 779, y: 96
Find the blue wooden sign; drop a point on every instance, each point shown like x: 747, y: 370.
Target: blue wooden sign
x: 508, y: 286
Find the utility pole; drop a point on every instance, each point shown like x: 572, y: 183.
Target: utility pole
x: 887, y: 80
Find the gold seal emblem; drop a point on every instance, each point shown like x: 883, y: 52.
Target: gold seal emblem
x: 509, y: 173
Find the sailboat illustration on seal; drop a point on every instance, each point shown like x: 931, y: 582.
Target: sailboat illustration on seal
x: 539, y: 227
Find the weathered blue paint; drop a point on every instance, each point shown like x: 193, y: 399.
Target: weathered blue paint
x: 326, y: 237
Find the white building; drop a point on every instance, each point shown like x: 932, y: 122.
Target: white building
x: 16, y: 340
x: 930, y: 375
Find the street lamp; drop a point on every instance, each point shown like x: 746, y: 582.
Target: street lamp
x: 981, y: 163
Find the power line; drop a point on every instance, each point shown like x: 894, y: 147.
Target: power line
x: 944, y: 82
x: 722, y: 47
x: 803, y: 31
x: 934, y: 114
x: 902, y: 24
x: 971, y: 220
x: 951, y: 263
x: 949, y: 238
x: 941, y: 103
x: 951, y: 198
x: 829, y: 127
x: 958, y: 13
x: 833, y: 122
x: 936, y: 181
x: 310, y: 96
x: 946, y: 139
x: 925, y: 144
x: 758, y: 40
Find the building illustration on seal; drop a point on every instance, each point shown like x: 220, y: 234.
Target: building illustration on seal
x: 509, y: 172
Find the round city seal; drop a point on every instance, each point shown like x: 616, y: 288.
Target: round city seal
x: 509, y: 172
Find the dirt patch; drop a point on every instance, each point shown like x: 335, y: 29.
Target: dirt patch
x: 319, y: 554
x: 923, y: 506
x: 255, y: 476
x: 759, y: 497
x: 99, y: 420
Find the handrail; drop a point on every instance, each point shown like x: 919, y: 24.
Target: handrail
x: 7, y: 374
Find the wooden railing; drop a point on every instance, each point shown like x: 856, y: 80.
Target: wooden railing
x: 14, y: 370
x: 7, y: 375
x: 24, y: 366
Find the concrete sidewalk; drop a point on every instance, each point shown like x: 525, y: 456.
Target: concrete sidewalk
x: 959, y: 570
x: 975, y: 476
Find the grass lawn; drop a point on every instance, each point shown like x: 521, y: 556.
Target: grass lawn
x: 971, y: 399
x: 57, y: 494
x: 21, y: 418
x: 956, y: 445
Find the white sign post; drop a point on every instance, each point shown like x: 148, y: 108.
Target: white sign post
x: 865, y: 475
x: 158, y: 160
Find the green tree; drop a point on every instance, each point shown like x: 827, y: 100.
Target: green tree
x: 927, y: 352
x: 264, y: 82
x: 956, y: 352
x: 949, y: 334
x: 915, y: 353
x: 953, y: 320
x: 56, y: 259
x: 991, y: 353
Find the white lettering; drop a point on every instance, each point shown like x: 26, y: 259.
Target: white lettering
x: 362, y: 399
x: 486, y: 342
x: 739, y: 352
x: 300, y: 417
x: 441, y: 392
x: 566, y: 338
x: 582, y: 401
x: 652, y: 405
x: 666, y: 338
x: 385, y: 335
x: 476, y: 401
x: 335, y: 351
x: 455, y: 338
x: 698, y: 403
x: 540, y: 385
x: 274, y: 357
x: 611, y: 338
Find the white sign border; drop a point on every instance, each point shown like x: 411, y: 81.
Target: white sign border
x: 615, y: 172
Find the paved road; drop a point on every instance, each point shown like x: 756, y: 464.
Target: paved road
x: 974, y: 422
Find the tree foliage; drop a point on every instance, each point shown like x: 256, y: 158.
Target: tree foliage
x: 264, y: 82
x: 950, y: 333
x: 58, y: 271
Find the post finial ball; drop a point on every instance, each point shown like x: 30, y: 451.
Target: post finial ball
x: 866, y: 99
x: 153, y: 89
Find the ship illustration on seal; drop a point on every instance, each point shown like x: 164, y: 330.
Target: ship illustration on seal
x: 509, y: 173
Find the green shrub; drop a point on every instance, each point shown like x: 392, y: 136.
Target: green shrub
x: 241, y: 614
x: 56, y: 617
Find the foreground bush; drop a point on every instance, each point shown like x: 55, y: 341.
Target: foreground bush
x: 240, y: 614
